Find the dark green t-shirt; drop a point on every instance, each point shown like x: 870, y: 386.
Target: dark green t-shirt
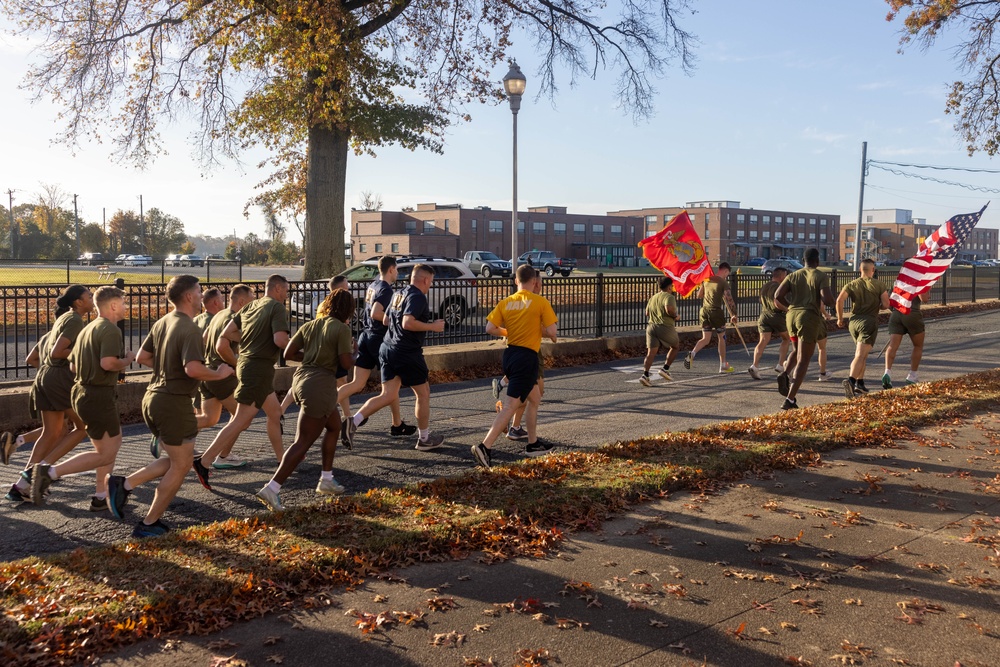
x: 174, y: 341
x: 202, y: 320
x: 715, y: 290
x: 323, y: 341
x: 767, y: 307
x: 258, y: 321
x: 659, y: 306
x: 215, y: 328
x: 866, y: 296
x: 69, y: 325
x: 806, y: 286
x: 101, y: 338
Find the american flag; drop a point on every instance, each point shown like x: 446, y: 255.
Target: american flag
x: 920, y: 272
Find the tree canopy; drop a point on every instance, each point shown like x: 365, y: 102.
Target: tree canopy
x: 310, y: 79
x: 975, y: 99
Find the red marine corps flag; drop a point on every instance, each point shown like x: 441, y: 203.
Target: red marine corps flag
x: 677, y: 250
x: 920, y: 272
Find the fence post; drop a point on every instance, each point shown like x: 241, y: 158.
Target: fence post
x: 944, y: 289
x: 67, y: 272
x: 239, y: 264
x: 734, y: 287
x: 973, y: 283
x: 208, y: 270
x: 833, y: 281
x: 599, y: 298
x: 163, y: 268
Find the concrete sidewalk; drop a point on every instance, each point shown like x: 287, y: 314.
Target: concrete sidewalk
x: 886, y: 557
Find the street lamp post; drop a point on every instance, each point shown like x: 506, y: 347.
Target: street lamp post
x: 513, y: 84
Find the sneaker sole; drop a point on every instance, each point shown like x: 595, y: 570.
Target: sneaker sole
x: 520, y: 438
x: 8, y: 448
x: 268, y: 505
x: 886, y: 384
x: 784, y: 385
x: 539, y: 453
x: 482, y: 460
x: 645, y: 382
x: 428, y: 448
x: 848, y: 389
x: 666, y: 376
x: 228, y: 466
x: 753, y: 373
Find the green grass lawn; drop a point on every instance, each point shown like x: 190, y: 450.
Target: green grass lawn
x: 85, y: 275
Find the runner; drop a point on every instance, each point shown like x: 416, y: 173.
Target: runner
x: 517, y: 431
x: 213, y: 302
x: 10, y: 444
x: 377, y: 299
x: 174, y: 349
x: 911, y: 324
x: 325, y: 347
x: 51, y: 389
x: 868, y: 295
x: 661, y: 311
x: 804, y: 293
x: 523, y: 318
x: 401, y: 357
x: 97, y: 357
x: 770, y: 322
x: 261, y: 328
x: 715, y: 292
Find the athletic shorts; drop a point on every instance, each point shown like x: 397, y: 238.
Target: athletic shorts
x: 774, y: 325
x: 409, y: 367
x: 863, y: 328
x: 98, y: 408
x: 911, y: 323
x: 315, y: 392
x: 520, y: 365
x: 218, y: 389
x: 169, y: 417
x: 256, y: 381
x: 52, y: 389
x: 661, y: 336
x: 368, y: 350
x: 713, y: 320
x: 541, y: 366
x: 805, y: 325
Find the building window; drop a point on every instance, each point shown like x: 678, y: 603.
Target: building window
x: 739, y: 233
x: 753, y: 219
x: 378, y: 247
x: 802, y: 236
x: 474, y: 224
x: 363, y: 247
x: 616, y: 230
x: 812, y: 222
x: 812, y: 236
x: 496, y: 226
x: 777, y: 219
x: 822, y: 222
x: 428, y: 226
x: 740, y: 218
x: 579, y: 229
x: 446, y: 225
x: 868, y: 218
x: 411, y: 226
x: 767, y: 220
x: 650, y: 221
x: 766, y: 234
x: 802, y: 221
x: 822, y: 237
x: 753, y: 234
x: 598, y: 229
x: 706, y: 218
x: 707, y: 236
x: 559, y: 228
x: 777, y: 235
x: 395, y: 247
x: 538, y: 228
x: 520, y: 226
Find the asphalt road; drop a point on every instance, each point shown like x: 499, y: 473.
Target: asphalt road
x: 583, y: 408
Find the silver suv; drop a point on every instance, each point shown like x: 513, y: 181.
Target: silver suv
x: 454, y: 294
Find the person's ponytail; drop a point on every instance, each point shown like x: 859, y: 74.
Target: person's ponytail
x: 69, y: 295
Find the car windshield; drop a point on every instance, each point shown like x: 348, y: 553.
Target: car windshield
x: 487, y: 255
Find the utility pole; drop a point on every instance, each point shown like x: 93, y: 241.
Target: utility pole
x: 13, y: 232
x: 861, y: 206
x: 76, y: 219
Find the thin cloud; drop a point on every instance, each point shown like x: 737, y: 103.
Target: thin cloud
x: 813, y: 134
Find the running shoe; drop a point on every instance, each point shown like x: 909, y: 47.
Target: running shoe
x: 347, y: 433
x: 15, y: 495
x: 40, y: 482
x: 779, y: 368
x: 270, y: 498
x: 143, y: 530
x: 517, y: 433
x: 495, y: 383
x: 7, y: 446
x: 824, y: 377
x: 645, y: 381
x: 848, y: 388
x: 784, y: 384
x: 886, y: 381
x: 482, y: 455
x: 404, y: 430
x: 726, y: 369
x: 154, y: 447
x: 688, y: 361
x: 538, y: 448
x: 228, y: 462
x: 117, y: 496
x: 665, y: 374
x: 98, y: 504
x: 790, y: 404
x: 202, y: 472
x: 433, y: 441
x: 329, y: 487
x: 860, y: 386
x: 911, y: 378
x: 753, y: 372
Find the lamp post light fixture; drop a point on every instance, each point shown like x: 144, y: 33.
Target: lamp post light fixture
x: 513, y: 85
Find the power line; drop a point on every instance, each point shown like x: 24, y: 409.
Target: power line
x: 967, y: 186
x: 937, y: 167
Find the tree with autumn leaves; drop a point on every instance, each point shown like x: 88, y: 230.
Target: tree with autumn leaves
x: 975, y: 100
x: 311, y: 80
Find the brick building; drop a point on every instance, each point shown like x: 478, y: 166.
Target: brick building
x: 735, y: 234
x: 892, y: 235
x: 449, y: 230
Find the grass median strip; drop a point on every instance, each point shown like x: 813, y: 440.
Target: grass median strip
x: 72, y: 607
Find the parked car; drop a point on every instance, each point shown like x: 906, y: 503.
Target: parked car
x: 453, y: 295
x: 486, y: 264
x: 120, y: 259
x: 789, y: 264
x: 756, y: 261
x: 211, y: 257
x: 192, y: 260
x: 138, y: 260
x: 547, y: 261
x: 172, y: 260
x: 90, y: 259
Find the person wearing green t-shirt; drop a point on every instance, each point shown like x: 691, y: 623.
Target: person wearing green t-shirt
x: 715, y: 292
x: 661, y: 312
x: 868, y: 295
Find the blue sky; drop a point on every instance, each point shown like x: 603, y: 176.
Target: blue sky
x: 774, y: 115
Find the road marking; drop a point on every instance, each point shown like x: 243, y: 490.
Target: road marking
x: 655, y: 377
x: 986, y: 333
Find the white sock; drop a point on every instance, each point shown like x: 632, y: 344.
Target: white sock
x: 19, y: 441
x: 274, y: 486
x: 754, y: 367
x: 911, y: 376
x: 101, y: 496
x: 358, y: 418
x: 128, y: 485
x: 326, y: 474
x: 503, y: 382
x: 52, y: 473
x: 22, y: 483
x: 887, y: 373
x: 424, y: 433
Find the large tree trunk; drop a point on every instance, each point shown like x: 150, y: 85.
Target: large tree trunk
x: 326, y: 181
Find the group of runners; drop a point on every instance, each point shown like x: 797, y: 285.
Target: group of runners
x: 794, y: 308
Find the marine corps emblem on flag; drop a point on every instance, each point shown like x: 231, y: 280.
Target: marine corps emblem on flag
x: 678, y: 251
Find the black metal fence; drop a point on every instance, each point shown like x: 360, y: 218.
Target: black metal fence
x: 587, y: 306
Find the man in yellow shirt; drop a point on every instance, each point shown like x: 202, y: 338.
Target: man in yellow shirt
x: 523, y: 317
